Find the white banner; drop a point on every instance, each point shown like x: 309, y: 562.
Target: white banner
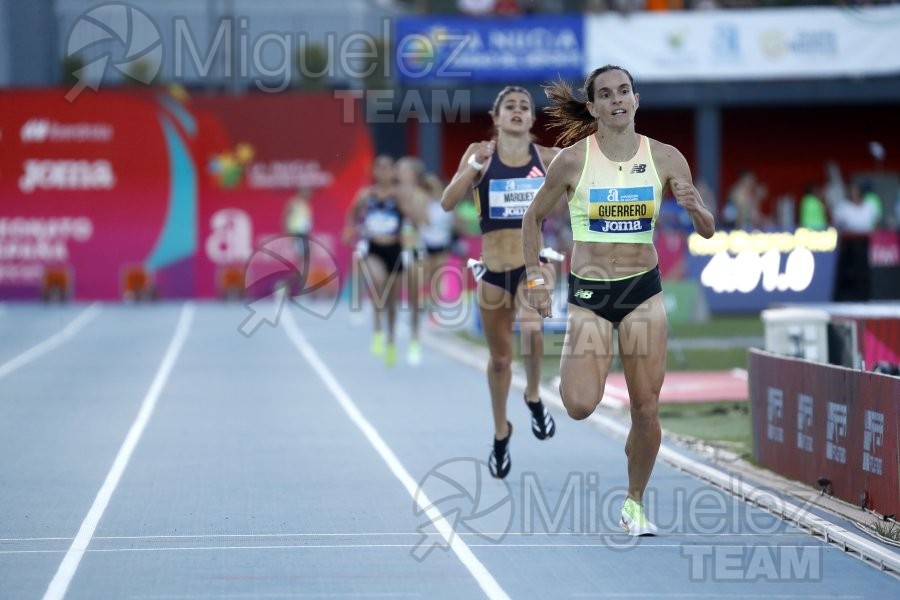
x: 797, y: 43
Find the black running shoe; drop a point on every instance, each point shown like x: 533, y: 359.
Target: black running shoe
x: 499, y: 462
x: 542, y: 424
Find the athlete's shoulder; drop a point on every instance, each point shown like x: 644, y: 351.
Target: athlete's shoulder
x: 664, y: 152
x: 571, y: 157
x: 363, y: 194
x: 546, y: 153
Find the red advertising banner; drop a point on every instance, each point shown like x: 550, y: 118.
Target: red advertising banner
x: 176, y: 187
x: 813, y: 420
x: 255, y: 153
x: 87, y: 186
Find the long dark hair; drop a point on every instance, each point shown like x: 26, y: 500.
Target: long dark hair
x: 495, y: 108
x: 568, y: 113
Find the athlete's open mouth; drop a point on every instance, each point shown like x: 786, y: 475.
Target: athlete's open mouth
x: 619, y: 111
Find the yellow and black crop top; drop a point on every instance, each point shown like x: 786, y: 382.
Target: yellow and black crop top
x: 616, y: 202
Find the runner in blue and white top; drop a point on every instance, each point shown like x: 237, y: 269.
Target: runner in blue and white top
x: 503, y: 174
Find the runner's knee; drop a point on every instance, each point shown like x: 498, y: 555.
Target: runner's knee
x: 644, y: 412
x: 501, y: 362
x: 578, y: 407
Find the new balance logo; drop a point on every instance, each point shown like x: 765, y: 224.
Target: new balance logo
x: 584, y: 294
x: 639, y: 168
x: 533, y: 173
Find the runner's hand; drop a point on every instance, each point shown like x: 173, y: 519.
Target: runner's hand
x: 538, y: 297
x: 485, y: 150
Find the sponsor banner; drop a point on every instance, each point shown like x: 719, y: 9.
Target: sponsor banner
x: 92, y: 186
x: 522, y: 49
x: 742, y: 271
x: 255, y: 153
x: 813, y: 420
x: 180, y: 188
x: 811, y: 42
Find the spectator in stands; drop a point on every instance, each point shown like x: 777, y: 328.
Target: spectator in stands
x: 871, y: 197
x: 742, y: 210
x: 813, y: 214
x: 852, y: 215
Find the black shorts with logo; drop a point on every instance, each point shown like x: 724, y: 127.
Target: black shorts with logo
x: 614, y: 300
x: 391, y: 255
x: 508, y: 280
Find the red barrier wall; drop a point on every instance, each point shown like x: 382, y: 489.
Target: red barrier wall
x: 814, y: 420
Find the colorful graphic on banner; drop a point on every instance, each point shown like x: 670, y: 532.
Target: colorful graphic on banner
x: 256, y: 153
x: 526, y: 49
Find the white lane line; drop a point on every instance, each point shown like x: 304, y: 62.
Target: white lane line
x: 484, y: 578
x: 502, y: 546
x: 291, y: 596
x: 60, y: 583
x: 717, y: 595
x: 495, y: 534
x: 52, y: 342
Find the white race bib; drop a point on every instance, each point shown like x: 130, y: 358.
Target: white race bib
x: 510, y: 198
x: 382, y: 223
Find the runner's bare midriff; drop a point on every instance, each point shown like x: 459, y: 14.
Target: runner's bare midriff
x: 612, y: 261
x: 385, y: 240
x: 501, y: 250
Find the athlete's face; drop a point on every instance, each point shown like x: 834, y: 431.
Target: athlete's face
x: 383, y: 169
x: 614, y: 102
x: 406, y: 173
x: 515, y: 113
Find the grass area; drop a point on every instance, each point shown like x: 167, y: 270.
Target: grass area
x: 707, y: 359
x: 724, y: 423
x: 720, y: 326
